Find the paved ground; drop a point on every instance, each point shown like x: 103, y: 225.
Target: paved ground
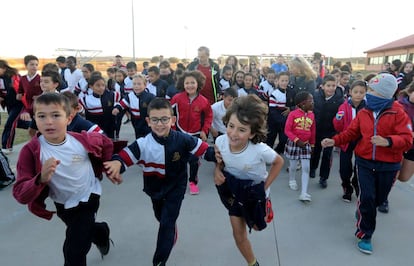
x: 319, y: 233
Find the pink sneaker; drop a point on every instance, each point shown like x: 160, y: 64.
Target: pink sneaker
x: 194, y: 188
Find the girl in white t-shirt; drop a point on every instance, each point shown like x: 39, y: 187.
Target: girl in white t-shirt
x: 243, y: 157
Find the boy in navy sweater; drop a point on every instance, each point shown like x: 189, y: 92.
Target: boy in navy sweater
x: 163, y: 156
x: 326, y: 103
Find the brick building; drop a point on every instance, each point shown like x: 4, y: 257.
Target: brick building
x: 402, y: 49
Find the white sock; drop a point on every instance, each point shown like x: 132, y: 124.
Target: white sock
x: 292, y: 169
x: 305, y: 175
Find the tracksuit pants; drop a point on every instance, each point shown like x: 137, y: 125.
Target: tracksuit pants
x: 347, y: 170
x: 166, y: 211
x: 375, y: 181
x: 81, y: 230
x: 326, y: 161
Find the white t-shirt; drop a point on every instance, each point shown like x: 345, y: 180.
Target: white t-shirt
x: 72, y: 78
x: 218, y: 112
x: 74, y: 179
x: 249, y: 163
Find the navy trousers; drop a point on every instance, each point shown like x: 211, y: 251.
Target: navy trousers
x: 375, y: 185
x: 166, y: 211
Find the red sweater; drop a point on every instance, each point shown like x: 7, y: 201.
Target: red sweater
x: 29, y: 167
x: 300, y: 125
x: 192, y: 117
x: 392, y: 123
x: 29, y: 89
x: 343, y: 118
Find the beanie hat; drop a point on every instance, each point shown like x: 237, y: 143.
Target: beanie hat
x: 385, y: 84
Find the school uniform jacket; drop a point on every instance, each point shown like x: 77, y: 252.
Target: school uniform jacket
x: 28, y: 191
x: 324, y: 111
x: 392, y: 123
x: 29, y: 89
x: 9, y: 92
x: 163, y: 160
x: 137, y: 104
x: 98, y: 109
x: 343, y: 118
x: 409, y: 109
x: 193, y: 117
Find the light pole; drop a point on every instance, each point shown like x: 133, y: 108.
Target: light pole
x: 133, y: 31
x: 186, y: 40
x: 352, y: 42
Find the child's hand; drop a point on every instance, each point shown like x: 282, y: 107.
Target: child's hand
x: 380, y: 141
x: 327, y: 143
x: 117, y: 180
x: 203, y: 136
x: 48, y: 169
x: 300, y: 143
x: 217, y: 154
x: 25, y: 116
x: 286, y: 112
x: 214, y: 132
x: 115, y: 111
x: 112, y: 169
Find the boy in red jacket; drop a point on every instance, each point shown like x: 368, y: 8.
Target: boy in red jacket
x: 66, y: 167
x: 383, y: 131
x: 346, y: 113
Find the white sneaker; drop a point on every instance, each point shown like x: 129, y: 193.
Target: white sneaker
x: 305, y: 197
x: 7, y: 151
x: 293, y: 185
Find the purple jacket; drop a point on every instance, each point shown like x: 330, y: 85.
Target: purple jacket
x: 409, y: 109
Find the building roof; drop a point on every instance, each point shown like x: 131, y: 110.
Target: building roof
x: 401, y: 43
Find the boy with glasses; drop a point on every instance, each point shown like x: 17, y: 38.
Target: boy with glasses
x: 163, y: 155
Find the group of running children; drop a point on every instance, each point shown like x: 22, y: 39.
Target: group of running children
x: 67, y: 158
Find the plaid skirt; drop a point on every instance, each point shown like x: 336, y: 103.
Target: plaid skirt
x: 294, y: 152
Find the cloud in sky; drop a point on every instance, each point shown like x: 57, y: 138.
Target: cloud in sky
x: 177, y: 28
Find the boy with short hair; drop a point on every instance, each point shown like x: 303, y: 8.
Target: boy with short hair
x: 326, y: 103
x: 163, y: 155
x: 225, y: 79
x: 131, y: 68
x: 156, y: 85
x: 383, y: 131
x: 67, y: 167
x: 29, y: 86
x: 219, y: 110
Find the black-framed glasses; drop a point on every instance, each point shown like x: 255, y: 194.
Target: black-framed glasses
x: 164, y: 120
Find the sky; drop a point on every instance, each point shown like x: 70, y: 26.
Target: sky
x: 176, y: 28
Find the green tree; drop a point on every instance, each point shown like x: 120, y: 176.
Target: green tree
x: 173, y: 60
x: 155, y: 59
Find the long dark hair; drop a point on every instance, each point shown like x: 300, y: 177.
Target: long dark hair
x: 10, y: 71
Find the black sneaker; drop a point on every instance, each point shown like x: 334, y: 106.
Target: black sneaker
x: 384, y: 207
x: 6, y: 183
x: 312, y: 173
x: 104, y: 249
x: 347, y: 197
x: 323, y: 183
